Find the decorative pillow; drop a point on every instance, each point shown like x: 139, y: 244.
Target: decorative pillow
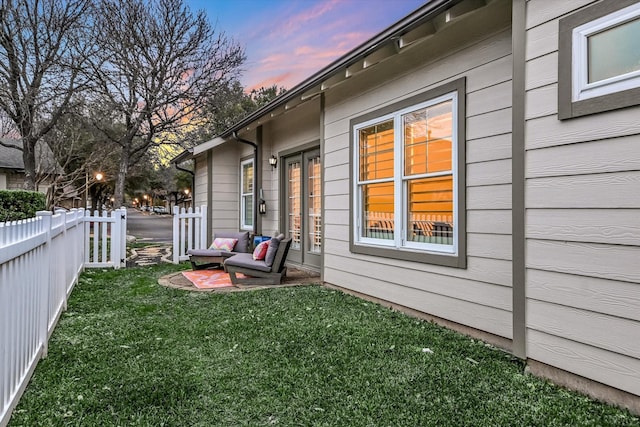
x: 261, y: 250
x: 271, y: 252
x: 223, y: 244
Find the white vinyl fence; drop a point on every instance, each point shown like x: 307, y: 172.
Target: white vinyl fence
x: 40, y: 261
x: 189, y: 231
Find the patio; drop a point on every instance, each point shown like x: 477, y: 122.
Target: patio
x: 294, y: 277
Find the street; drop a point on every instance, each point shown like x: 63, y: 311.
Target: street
x: 148, y: 227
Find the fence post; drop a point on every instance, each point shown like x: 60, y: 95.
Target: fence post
x: 191, y: 231
x: 115, y: 235
x: 203, y: 227
x: 176, y: 238
x: 46, y: 217
x: 123, y: 236
x: 65, y: 255
x: 86, y: 253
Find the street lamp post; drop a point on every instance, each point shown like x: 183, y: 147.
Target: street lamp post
x: 98, y: 177
x: 186, y: 193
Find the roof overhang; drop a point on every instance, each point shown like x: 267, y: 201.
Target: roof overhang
x: 183, y: 156
x: 215, y: 142
x: 191, y: 153
x: 418, y: 26
x: 411, y: 31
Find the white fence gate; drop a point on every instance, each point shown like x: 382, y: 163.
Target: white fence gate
x: 106, y: 239
x: 189, y: 231
x: 40, y: 261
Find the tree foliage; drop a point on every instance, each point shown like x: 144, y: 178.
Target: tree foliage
x: 157, y: 65
x: 230, y: 105
x: 81, y: 153
x: 16, y: 205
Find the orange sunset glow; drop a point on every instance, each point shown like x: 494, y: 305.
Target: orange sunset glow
x: 287, y: 41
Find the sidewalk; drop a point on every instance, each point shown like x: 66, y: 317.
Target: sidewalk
x: 150, y: 255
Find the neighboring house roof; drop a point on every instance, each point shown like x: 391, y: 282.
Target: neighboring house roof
x: 11, y: 158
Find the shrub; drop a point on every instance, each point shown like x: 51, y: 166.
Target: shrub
x: 18, y: 204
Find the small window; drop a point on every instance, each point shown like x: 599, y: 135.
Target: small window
x: 246, y: 195
x: 599, y: 59
x: 408, y: 191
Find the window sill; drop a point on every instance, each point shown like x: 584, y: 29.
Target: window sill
x: 413, y: 255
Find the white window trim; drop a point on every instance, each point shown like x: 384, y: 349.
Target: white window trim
x: 243, y: 219
x: 581, y: 88
x: 400, y: 188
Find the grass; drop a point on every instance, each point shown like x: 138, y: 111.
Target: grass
x: 131, y: 353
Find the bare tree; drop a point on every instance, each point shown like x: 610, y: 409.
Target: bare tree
x: 157, y: 66
x: 78, y: 153
x: 42, y: 49
x: 7, y: 127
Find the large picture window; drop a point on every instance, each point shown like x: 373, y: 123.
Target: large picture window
x: 406, y: 194
x: 599, y: 59
x: 246, y: 195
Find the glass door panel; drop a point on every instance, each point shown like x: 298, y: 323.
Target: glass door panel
x: 314, y: 204
x: 303, y: 207
x: 294, y: 203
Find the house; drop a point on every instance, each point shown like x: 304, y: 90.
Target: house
x: 12, y: 175
x: 478, y: 164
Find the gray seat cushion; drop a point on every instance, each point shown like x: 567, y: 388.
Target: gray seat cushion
x: 247, y: 261
x: 209, y: 252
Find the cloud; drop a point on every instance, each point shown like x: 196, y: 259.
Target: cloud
x: 278, y: 80
x: 305, y: 18
x: 290, y: 43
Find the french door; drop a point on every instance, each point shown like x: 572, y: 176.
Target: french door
x: 303, y: 207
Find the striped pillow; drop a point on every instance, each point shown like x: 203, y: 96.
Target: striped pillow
x: 223, y: 244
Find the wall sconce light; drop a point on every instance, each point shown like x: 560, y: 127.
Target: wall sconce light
x: 273, y: 161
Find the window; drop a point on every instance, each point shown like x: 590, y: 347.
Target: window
x: 408, y: 188
x: 246, y: 195
x: 599, y: 59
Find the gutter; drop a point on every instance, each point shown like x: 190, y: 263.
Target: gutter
x: 186, y: 155
x: 255, y: 178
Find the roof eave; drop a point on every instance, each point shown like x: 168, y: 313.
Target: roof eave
x: 419, y: 16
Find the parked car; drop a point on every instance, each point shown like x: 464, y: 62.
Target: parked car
x: 159, y: 209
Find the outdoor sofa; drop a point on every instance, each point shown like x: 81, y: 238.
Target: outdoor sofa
x: 267, y: 271
x: 213, y: 257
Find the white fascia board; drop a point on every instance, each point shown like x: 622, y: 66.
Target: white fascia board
x: 215, y: 142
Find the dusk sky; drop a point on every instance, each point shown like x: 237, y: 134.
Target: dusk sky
x: 287, y: 41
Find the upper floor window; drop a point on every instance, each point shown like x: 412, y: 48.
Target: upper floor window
x: 599, y: 59
x: 406, y: 192
x: 246, y: 195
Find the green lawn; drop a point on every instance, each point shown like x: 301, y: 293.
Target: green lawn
x: 129, y: 352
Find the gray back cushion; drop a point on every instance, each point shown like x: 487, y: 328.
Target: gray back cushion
x: 243, y: 239
x: 273, y: 248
